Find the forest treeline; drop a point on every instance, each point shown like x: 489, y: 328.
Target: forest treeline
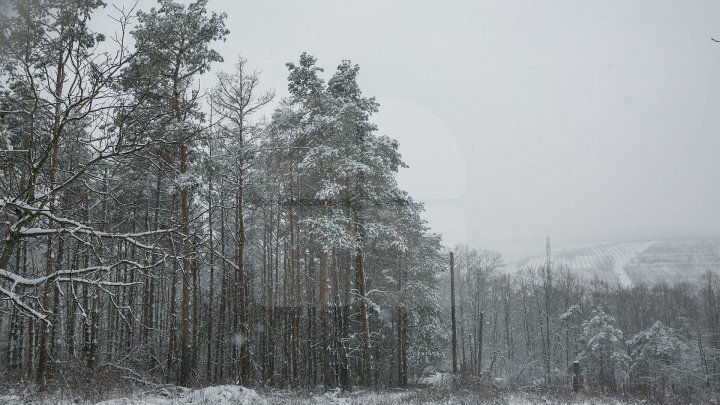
x: 152, y: 227
x: 536, y: 323
x: 169, y: 233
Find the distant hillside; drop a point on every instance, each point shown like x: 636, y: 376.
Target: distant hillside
x: 646, y: 262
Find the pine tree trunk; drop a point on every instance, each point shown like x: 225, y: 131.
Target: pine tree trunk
x: 365, y: 371
x: 195, y: 268
x: 340, y: 331
x: 480, y: 343
x: 14, y: 349
x: 295, y: 280
x: 349, y: 274
x: 172, y: 315
x: 244, y: 361
x: 11, y: 358
x: 220, y: 371
x: 56, y: 132
x: 87, y: 321
x: 310, y: 291
x: 94, y: 330
x: 185, y: 366
x: 325, y: 298
x: 401, y: 321
x: 44, y: 347
x: 30, y: 347
x: 211, y: 290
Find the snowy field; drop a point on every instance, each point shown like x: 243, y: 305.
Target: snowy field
x: 634, y: 263
x: 236, y: 395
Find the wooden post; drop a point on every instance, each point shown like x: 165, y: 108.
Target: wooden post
x: 576, y: 376
x: 452, y: 312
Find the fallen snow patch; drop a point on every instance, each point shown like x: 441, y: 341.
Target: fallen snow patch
x: 220, y: 395
x: 224, y: 394
x: 10, y: 400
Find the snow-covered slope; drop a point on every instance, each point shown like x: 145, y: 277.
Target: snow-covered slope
x: 646, y: 262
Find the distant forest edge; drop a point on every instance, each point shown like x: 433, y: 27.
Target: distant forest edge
x: 156, y: 233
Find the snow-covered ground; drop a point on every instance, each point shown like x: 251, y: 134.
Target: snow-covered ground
x: 237, y: 395
x: 221, y: 395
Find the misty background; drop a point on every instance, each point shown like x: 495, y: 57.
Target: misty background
x: 586, y: 121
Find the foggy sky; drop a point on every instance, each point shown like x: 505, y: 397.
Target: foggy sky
x: 583, y: 120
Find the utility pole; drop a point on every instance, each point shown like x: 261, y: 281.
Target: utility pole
x: 548, y: 286
x: 548, y: 254
x: 452, y: 312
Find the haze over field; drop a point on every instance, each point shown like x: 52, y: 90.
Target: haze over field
x: 585, y: 121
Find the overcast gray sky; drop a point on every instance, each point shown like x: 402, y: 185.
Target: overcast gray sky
x: 584, y: 120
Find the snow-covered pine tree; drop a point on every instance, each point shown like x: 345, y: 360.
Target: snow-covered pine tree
x: 174, y: 47
x: 604, y: 356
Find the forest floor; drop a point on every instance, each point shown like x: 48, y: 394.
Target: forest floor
x: 232, y: 394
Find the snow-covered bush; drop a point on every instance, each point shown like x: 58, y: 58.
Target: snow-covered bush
x: 661, y: 357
